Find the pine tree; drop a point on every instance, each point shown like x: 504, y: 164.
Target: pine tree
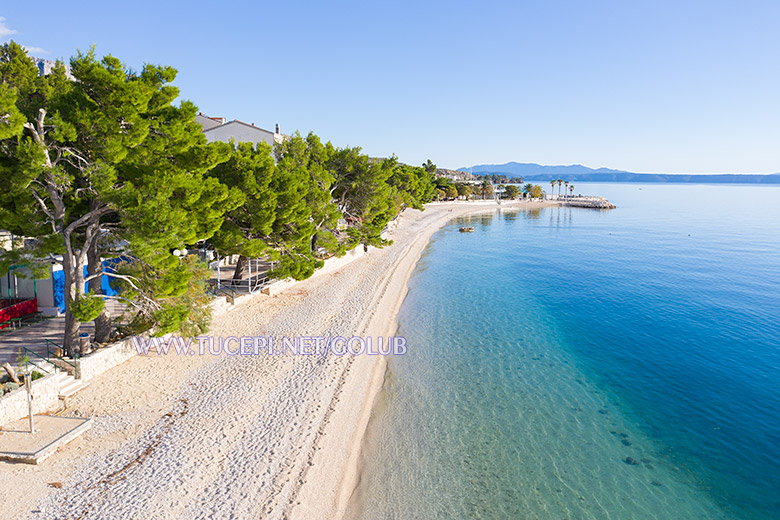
x: 104, y: 163
x: 415, y: 185
x: 245, y: 230
x: 364, y: 197
x: 306, y: 215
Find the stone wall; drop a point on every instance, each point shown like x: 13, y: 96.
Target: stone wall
x: 106, y: 358
x: 220, y: 305
x: 103, y: 359
x: 46, y: 390
x: 331, y: 264
x: 13, y: 405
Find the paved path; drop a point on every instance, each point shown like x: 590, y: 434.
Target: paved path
x: 34, y: 337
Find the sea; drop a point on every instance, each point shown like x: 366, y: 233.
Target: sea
x: 571, y: 363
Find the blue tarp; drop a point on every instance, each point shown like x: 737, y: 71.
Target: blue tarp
x: 58, y: 280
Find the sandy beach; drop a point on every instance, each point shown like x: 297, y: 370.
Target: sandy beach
x: 238, y: 436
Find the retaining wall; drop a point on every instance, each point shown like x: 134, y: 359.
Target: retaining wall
x: 106, y: 358
x: 46, y: 391
x: 330, y: 265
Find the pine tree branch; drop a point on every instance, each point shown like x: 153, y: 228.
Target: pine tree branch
x: 85, y: 219
x: 126, y: 278
x: 42, y: 203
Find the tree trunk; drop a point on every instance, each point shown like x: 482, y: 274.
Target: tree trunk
x: 70, y: 268
x: 10, y: 371
x: 103, y: 321
x: 238, y: 274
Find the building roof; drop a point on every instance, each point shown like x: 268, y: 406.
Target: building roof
x: 207, y: 122
x: 218, y: 129
x: 237, y: 122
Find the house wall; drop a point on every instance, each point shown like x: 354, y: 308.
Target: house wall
x: 46, y: 295
x: 25, y: 287
x: 51, y: 294
x: 205, y: 122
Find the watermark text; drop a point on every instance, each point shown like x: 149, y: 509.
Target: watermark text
x: 271, y: 346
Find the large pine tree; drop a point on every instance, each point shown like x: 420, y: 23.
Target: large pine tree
x: 104, y: 163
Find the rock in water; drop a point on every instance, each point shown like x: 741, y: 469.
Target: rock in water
x: 631, y: 461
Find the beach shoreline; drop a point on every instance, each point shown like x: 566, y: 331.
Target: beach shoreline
x: 278, y: 437
x: 310, y: 505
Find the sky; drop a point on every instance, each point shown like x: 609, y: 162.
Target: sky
x: 644, y: 86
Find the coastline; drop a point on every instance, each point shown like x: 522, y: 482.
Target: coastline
x: 280, y: 437
x: 367, y: 389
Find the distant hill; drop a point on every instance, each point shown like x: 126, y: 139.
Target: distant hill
x: 576, y: 172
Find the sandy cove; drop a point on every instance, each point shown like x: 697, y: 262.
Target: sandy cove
x: 239, y: 437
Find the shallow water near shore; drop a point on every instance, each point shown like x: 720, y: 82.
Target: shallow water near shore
x: 575, y: 363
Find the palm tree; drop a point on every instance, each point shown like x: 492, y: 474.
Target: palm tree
x: 560, y: 181
x: 485, y: 187
x: 552, y: 188
x: 566, y: 189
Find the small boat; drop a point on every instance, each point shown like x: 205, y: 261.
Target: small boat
x: 466, y: 229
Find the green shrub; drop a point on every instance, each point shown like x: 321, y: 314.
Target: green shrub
x: 22, y: 358
x: 36, y: 375
x: 9, y: 387
x: 87, y: 307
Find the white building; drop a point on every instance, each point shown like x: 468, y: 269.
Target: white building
x: 45, y: 66
x: 218, y: 129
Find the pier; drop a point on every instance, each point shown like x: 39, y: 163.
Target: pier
x: 589, y: 202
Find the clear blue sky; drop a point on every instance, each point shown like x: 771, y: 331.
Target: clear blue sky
x: 647, y: 86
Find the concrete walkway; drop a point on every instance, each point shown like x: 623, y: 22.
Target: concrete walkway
x: 17, y: 444
x: 34, y: 337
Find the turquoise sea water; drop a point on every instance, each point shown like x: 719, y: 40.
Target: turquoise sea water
x: 574, y: 363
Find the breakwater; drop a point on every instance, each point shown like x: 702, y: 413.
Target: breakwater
x: 589, y: 202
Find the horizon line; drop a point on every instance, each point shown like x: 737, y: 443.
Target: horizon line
x: 595, y: 170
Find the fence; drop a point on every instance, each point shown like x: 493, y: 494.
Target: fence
x: 17, y: 310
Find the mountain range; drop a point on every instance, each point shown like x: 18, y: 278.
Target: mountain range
x: 532, y: 172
